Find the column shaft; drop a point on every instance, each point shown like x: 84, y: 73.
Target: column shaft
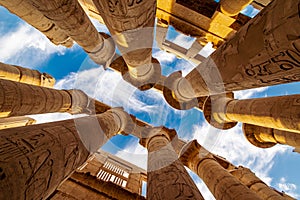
x: 219, y: 181
x: 134, y: 183
x: 233, y: 7
x: 32, y: 16
x: 71, y: 18
x: 132, y: 25
x: 35, y: 159
x: 13, y: 122
x: 267, y: 137
x: 18, y: 99
x: 274, y: 112
x: 264, y: 52
x: 25, y: 75
x: 167, y: 177
x: 248, y: 178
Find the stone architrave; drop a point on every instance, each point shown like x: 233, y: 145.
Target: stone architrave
x: 166, y: 177
x: 132, y: 25
x: 25, y: 75
x: 69, y: 16
x: 18, y: 99
x: 13, y: 122
x: 32, y: 16
x: 233, y: 7
x: 267, y: 137
x: 280, y: 112
x: 220, y: 182
x: 264, y: 52
x: 35, y: 159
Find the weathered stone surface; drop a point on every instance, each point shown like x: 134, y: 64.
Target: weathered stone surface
x: 13, y: 122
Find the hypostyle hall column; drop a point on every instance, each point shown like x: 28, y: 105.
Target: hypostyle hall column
x: 25, y: 75
x: 132, y: 25
x: 71, y: 18
x: 233, y: 7
x: 274, y: 112
x: 13, y: 122
x: 264, y: 52
x: 220, y: 182
x: 267, y: 137
x: 18, y: 99
x: 166, y: 176
x: 35, y: 159
x: 32, y: 16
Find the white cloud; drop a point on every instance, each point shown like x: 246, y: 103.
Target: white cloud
x: 246, y: 94
x: 183, y: 41
x: 26, y: 46
x: 288, y: 188
x: 164, y: 57
x: 53, y: 117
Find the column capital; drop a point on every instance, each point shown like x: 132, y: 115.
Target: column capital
x: 250, y: 134
x: 214, y: 110
x: 171, y: 95
x: 149, y: 133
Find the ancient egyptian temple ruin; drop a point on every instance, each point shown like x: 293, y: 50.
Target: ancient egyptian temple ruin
x: 63, y: 160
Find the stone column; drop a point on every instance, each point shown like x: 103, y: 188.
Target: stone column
x: 267, y: 137
x: 263, y: 52
x: 35, y: 159
x: 274, y: 112
x: 233, y: 7
x: 220, y: 182
x: 248, y: 178
x: 166, y: 176
x: 18, y: 99
x: 13, y: 122
x: 32, y: 16
x: 71, y: 18
x: 134, y: 183
x: 132, y: 23
x: 25, y: 75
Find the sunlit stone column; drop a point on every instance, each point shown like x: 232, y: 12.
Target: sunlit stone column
x: 166, y: 176
x: 267, y: 137
x: 35, y: 159
x: 18, y: 99
x: 13, y: 122
x: 132, y: 23
x: 280, y: 112
x: 25, y: 75
x: 233, y: 7
x: 264, y: 52
x: 71, y: 18
x: 32, y: 16
x: 220, y: 182
x: 248, y: 178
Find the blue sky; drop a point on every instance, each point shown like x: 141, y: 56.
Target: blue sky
x: 22, y: 45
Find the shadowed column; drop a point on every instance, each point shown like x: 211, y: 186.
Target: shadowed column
x: 274, y: 112
x: 32, y: 16
x: 166, y: 177
x: 71, y: 18
x: 219, y: 181
x: 17, y: 99
x: 35, y: 159
x: 233, y: 7
x: 132, y: 24
x: 264, y: 52
x: 267, y: 137
x: 25, y: 75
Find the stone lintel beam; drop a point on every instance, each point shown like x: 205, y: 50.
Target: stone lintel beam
x: 280, y: 112
x: 13, y: 122
x: 248, y: 178
x: 233, y: 7
x: 18, y: 99
x: 220, y: 182
x: 264, y: 137
x: 166, y: 176
x: 35, y: 159
x: 25, y: 75
x: 69, y: 16
x: 263, y: 52
x: 32, y: 16
x: 132, y: 25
